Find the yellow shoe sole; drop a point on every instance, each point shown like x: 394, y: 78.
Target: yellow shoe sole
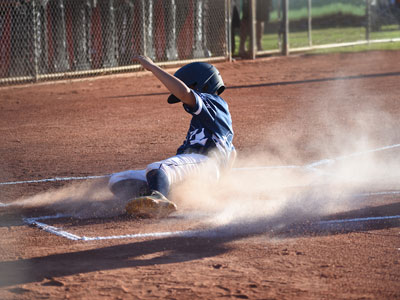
x: 149, y: 207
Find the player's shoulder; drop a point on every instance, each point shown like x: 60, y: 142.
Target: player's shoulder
x: 212, y: 97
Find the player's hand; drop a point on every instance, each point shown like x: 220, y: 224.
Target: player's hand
x: 172, y: 83
x: 145, y: 61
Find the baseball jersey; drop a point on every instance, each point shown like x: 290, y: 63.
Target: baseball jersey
x: 210, y: 127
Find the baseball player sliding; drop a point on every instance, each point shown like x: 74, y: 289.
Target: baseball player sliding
x: 208, y: 141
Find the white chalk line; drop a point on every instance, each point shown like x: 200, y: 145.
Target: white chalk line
x: 382, y: 193
x: 181, y: 233
x: 359, y: 219
x: 311, y: 166
x: 185, y: 233
x: 62, y: 233
x: 54, y: 179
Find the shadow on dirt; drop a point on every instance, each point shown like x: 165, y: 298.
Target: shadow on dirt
x: 361, y: 76
x: 204, y: 243
x: 366, y: 219
x: 144, y: 253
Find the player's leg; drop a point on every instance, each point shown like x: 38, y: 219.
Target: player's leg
x: 161, y: 176
x: 259, y: 34
x: 262, y: 16
x: 132, y: 184
x: 157, y: 180
x: 129, y: 184
x: 155, y: 203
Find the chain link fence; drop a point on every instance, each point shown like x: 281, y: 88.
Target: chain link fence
x: 48, y: 39
x: 303, y: 25
x: 319, y: 24
x: 56, y: 39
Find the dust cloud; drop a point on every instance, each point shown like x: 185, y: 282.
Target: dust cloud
x: 87, y: 199
x: 328, y: 159
x: 273, y: 197
x: 317, y: 168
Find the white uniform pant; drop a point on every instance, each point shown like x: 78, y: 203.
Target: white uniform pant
x: 177, y: 168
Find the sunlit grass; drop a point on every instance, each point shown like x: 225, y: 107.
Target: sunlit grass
x: 329, y: 9
x: 333, y: 36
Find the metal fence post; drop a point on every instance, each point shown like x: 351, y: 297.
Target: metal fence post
x: 368, y: 17
x: 60, y: 61
x: 171, y: 48
x: 309, y: 8
x: 78, y: 22
x: 285, y: 20
x: 35, y: 43
x: 199, y: 36
x: 149, y: 36
x: 107, y: 10
x: 228, y: 22
x: 140, y: 38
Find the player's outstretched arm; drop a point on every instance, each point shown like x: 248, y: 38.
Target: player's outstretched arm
x: 173, y: 84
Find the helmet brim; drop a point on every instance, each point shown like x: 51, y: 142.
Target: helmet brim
x: 172, y: 99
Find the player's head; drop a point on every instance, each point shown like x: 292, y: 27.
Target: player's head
x: 201, y: 77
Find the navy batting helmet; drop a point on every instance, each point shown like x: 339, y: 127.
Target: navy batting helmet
x: 201, y: 77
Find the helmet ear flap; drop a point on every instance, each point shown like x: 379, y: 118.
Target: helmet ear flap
x: 220, y: 90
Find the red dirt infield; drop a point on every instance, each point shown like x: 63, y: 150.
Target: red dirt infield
x: 287, y: 111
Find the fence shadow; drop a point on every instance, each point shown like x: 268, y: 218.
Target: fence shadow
x: 280, y: 83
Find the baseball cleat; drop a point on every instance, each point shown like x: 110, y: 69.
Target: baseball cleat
x: 152, y: 206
